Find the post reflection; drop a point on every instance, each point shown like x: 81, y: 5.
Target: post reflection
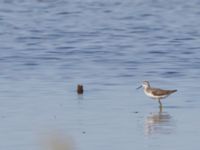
x: 159, y: 123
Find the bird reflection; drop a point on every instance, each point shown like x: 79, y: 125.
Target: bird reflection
x: 159, y: 123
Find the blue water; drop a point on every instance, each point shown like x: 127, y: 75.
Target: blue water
x: 109, y: 46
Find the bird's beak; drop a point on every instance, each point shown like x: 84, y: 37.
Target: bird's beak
x: 139, y: 87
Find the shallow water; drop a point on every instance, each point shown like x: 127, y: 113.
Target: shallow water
x: 48, y: 47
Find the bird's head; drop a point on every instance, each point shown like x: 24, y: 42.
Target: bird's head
x: 145, y: 84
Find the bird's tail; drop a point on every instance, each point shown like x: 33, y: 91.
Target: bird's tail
x: 172, y: 91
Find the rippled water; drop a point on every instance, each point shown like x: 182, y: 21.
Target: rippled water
x: 110, y: 46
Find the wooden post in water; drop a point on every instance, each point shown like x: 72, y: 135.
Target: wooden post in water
x: 80, y: 89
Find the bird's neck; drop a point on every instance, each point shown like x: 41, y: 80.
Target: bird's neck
x: 146, y: 88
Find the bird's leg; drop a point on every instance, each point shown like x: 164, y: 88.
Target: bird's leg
x: 160, y: 110
x: 160, y: 103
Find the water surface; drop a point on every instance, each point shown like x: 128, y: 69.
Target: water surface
x: 48, y: 47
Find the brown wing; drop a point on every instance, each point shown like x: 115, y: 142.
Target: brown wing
x: 160, y: 92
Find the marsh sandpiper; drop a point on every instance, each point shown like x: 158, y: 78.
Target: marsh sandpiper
x: 155, y: 93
